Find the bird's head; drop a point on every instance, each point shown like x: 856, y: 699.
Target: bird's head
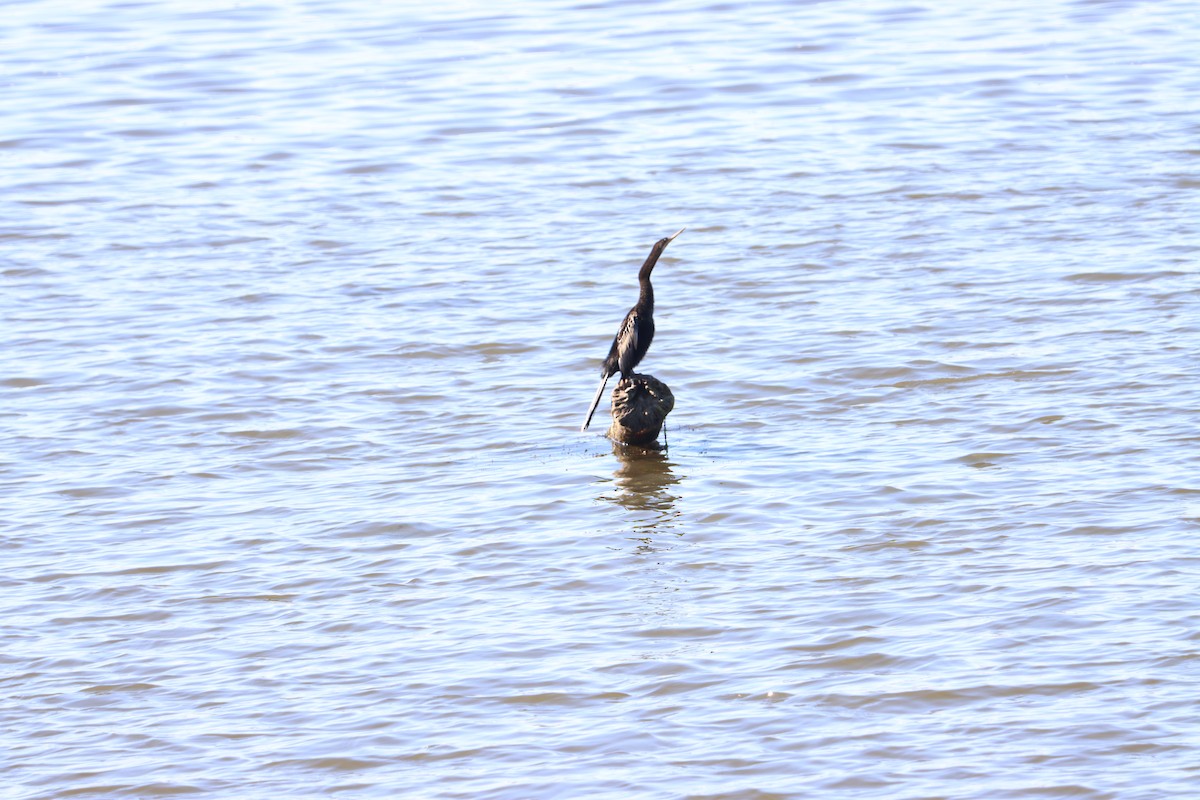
x: 661, y: 244
x: 655, y: 252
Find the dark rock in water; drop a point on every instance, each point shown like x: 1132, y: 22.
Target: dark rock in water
x: 639, y: 407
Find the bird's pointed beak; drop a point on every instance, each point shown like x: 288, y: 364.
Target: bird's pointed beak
x: 672, y: 238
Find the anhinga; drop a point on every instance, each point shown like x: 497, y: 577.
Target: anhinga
x: 636, y: 331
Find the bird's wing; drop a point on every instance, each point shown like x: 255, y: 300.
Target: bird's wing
x: 627, y: 342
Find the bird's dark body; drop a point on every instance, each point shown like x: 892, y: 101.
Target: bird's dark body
x: 636, y: 332
x: 631, y: 342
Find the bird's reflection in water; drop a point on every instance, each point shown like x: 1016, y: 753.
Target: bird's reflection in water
x: 643, y: 484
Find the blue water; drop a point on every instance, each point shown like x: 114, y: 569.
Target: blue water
x: 304, y: 304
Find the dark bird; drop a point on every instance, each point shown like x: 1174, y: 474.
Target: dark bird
x: 636, y: 331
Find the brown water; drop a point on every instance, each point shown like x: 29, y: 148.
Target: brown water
x: 303, y: 303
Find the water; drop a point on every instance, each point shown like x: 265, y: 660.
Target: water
x: 304, y: 303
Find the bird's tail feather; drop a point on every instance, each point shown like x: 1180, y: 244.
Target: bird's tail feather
x: 595, y: 402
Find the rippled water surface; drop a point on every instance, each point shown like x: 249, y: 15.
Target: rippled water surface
x: 303, y: 304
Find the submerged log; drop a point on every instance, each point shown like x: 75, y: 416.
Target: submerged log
x: 639, y: 407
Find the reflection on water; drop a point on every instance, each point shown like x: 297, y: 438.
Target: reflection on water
x: 643, y: 482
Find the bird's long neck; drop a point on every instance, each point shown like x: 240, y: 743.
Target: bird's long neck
x: 646, y: 294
